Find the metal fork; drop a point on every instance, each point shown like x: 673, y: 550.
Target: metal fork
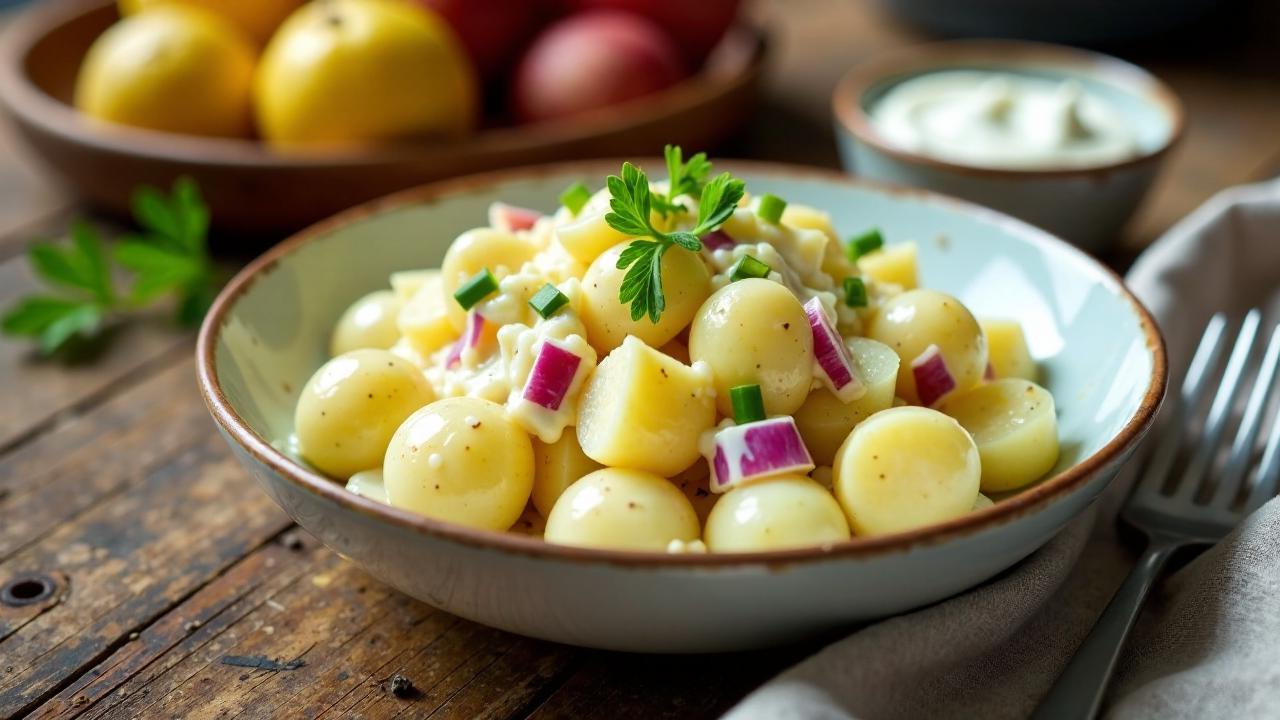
x: 1178, y: 504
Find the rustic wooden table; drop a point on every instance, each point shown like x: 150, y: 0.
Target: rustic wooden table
x: 166, y: 558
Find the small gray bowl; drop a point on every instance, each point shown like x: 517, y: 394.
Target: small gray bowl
x: 1087, y: 205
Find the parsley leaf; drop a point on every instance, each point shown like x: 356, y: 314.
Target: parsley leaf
x: 683, y: 179
x: 168, y: 257
x: 631, y: 203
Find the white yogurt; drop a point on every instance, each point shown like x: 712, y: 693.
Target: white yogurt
x: 1003, y: 120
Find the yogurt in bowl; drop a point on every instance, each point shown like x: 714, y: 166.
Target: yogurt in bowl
x: 1067, y: 139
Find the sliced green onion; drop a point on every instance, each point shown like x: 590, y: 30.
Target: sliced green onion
x: 547, y: 301
x: 855, y: 292
x: 479, y: 287
x: 771, y: 208
x: 748, y: 267
x: 867, y: 242
x: 575, y: 197
x: 748, y: 403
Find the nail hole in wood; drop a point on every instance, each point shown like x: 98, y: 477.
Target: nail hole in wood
x: 27, y: 590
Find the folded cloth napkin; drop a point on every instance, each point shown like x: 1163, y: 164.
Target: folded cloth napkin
x: 1208, y: 642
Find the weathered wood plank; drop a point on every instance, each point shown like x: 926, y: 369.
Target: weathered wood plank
x: 190, y: 626
x: 129, y: 560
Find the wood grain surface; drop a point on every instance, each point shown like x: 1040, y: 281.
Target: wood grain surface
x: 167, y: 558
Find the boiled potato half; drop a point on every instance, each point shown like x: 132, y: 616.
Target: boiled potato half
x: 755, y: 332
x: 824, y: 422
x: 461, y: 460
x: 369, y: 322
x: 622, y: 510
x: 351, y: 407
x: 474, y: 250
x: 1016, y: 428
x: 777, y: 513
x: 904, y: 468
x: 642, y: 409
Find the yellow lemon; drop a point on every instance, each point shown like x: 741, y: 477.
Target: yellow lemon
x: 174, y: 69
x: 348, y: 72
x: 257, y: 18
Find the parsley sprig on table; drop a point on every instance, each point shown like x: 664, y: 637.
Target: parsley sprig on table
x: 169, y: 257
x: 631, y: 202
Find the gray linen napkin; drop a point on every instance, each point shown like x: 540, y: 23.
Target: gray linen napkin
x: 1207, y: 644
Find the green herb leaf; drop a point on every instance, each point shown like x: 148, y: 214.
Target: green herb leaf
x: 682, y: 178
x: 631, y: 204
x: 84, y: 320
x: 159, y: 269
x: 34, y: 313
x: 171, y: 255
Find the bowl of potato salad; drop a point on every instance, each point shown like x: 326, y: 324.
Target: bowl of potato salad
x: 678, y: 406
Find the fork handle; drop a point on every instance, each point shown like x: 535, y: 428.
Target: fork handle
x: 1077, y: 694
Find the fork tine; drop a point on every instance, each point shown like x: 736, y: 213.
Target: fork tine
x: 1250, y: 426
x: 1264, y: 488
x: 1194, y: 386
x: 1191, y: 479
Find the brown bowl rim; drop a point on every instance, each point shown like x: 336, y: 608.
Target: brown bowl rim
x: 34, y: 106
x: 849, y: 114
x: 1024, y: 503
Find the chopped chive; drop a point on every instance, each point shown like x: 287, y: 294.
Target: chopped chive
x: 855, y: 292
x: 479, y: 287
x: 867, y: 242
x: 748, y: 403
x: 547, y: 301
x: 748, y: 267
x: 771, y: 208
x: 575, y: 197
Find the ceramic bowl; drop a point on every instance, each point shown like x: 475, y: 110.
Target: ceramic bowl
x: 1088, y: 206
x: 1100, y: 352
x: 254, y: 191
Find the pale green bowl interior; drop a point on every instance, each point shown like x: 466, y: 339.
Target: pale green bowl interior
x: 1085, y: 334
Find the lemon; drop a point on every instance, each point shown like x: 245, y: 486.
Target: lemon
x: 174, y: 69
x: 349, y: 72
x: 257, y: 18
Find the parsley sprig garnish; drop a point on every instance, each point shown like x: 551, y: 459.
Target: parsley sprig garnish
x: 169, y: 257
x: 631, y: 202
x: 686, y: 178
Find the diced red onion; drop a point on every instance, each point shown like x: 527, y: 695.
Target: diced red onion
x: 470, y: 338
x: 552, y: 375
x: 758, y: 450
x: 512, y: 218
x: 989, y: 373
x: 933, y: 379
x: 834, y: 360
x: 716, y: 240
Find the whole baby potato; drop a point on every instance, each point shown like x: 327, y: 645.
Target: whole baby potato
x: 685, y: 283
x: 369, y: 322
x: 623, y: 510
x: 754, y: 331
x: 351, y: 407
x: 461, y: 460
x: 911, y: 322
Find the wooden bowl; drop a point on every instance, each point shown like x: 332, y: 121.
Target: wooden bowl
x: 253, y: 190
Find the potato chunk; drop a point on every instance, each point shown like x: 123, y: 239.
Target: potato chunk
x: 587, y: 236
x: 461, y: 460
x: 787, y: 511
x: 824, y: 422
x: 904, y: 468
x: 557, y: 465
x: 424, y: 317
x: 1016, y: 428
x: 502, y: 252
x: 895, y: 264
x: 622, y: 510
x: 642, y: 409
x: 1007, y: 349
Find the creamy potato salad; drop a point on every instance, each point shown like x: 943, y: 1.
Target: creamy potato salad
x: 676, y: 366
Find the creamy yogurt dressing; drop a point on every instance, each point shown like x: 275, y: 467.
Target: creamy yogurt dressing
x: 1003, y: 120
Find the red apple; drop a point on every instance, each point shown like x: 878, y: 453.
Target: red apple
x: 696, y: 25
x: 593, y: 60
x: 493, y: 31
